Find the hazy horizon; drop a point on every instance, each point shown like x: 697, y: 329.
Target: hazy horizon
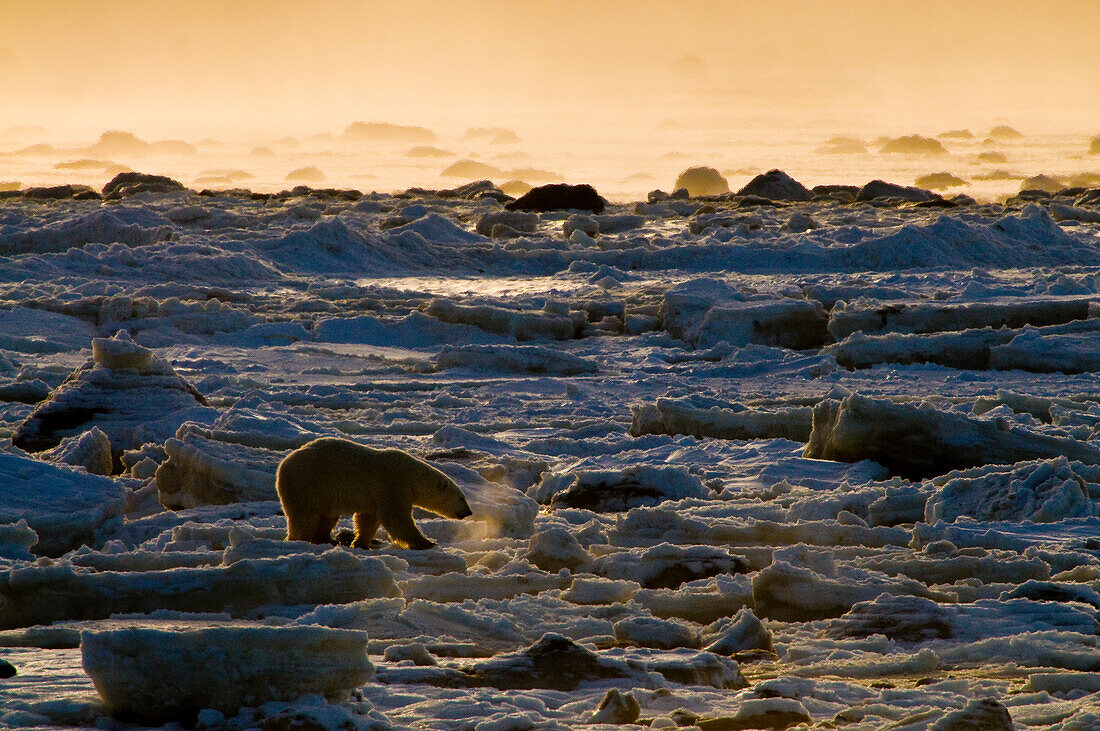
x: 192, y: 69
x: 596, y: 92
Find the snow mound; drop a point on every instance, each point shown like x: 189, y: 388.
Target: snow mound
x: 99, y: 227
x: 159, y: 675
x: 40, y: 331
x: 65, y: 507
x: 1039, y: 491
x: 125, y: 390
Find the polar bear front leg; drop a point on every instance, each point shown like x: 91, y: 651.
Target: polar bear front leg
x: 366, y: 525
x: 398, y: 522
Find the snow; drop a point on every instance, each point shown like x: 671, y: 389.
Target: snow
x: 826, y: 461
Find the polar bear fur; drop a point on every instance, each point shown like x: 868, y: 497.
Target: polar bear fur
x: 330, y: 477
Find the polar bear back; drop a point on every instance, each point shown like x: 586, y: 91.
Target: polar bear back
x: 337, y: 477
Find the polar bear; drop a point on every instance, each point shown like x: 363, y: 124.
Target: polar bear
x: 330, y: 477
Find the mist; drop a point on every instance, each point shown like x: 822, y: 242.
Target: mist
x: 634, y: 79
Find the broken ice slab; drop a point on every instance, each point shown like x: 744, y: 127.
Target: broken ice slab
x: 683, y: 416
x: 32, y: 595
x: 930, y: 317
x: 159, y: 675
x: 919, y: 441
x: 1069, y: 348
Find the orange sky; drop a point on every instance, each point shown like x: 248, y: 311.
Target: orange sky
x: 198, y: 67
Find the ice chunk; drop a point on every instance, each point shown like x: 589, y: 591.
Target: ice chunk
x: 203, y: 470
x: 787, y: 323
x: 65, y: 507
x: 126, y: 390
x: 770, y: 713
x: 1039, y: 491
x: 514, y: 359
x: 683, y: 416
x: 664, y: 634
x: 610, y: 490
x: 555, y: 548
x: 920, y: 442
x: 801, y: 586
x: 743, y: 632
x: 1035, y: 351
x: 980, y: 713
x: 16, y: 541
x: 158, y: 676
x: 667, y: 566
x: 41, y: 595
x: 90, y: 450
x: 929, y: 317
x: 520, y: 324
x: 617, y: 708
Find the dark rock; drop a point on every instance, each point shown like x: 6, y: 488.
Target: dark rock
x: 992, y: 156
x: 1094, y: 145
x: 1089, y: 198
x: 776, y: 185
x: 936, y: 203
x: 914, y: 145
x: 754, y: 201
x: 881, y: 189
x: 87, y: 195
x: 7, y: 670
x: 957, y: 134
x: 125, y: 184
x: 559, y: 196
x: 984, y: 714
x: 700, y: 181
x: 55, y: 192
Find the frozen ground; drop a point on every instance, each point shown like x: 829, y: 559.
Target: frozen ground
x: 627, y: 409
